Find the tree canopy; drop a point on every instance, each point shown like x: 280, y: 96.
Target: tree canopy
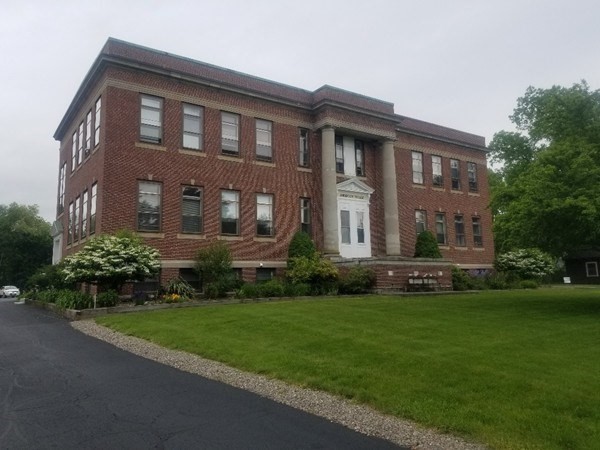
x: 548, y: 192
x: 25, y: 243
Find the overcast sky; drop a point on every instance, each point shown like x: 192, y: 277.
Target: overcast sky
x: 460, y: 63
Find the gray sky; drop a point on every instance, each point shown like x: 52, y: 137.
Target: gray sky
x: 460, y: 63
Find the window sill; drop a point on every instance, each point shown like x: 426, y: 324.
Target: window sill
x: 474, y: 194
x: 229, y: 238
x: 199, y: 236
x: 264, y: 163
x: 461, y: 248
x: 478, y: 249
x: 236, y: 159
x: 150, y: 234
x: 149, y: 146
x: 443, y: 247
x: 438, y: 189
x: 187, y: 151
x: 304, y: 169
x: 265, y: 239
x: 418, y: 186
x: 454, y: 191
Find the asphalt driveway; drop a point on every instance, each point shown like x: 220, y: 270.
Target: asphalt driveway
x: 62, y: 389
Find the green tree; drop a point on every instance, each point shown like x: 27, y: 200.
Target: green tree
x: 549, y: 195
x: 25, y: 243
x: 110, y: 261
x: 427, y: 246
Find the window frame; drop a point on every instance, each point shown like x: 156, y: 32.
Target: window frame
x: 62, y: 175
x: 93, y: 206
x: 74, y: 152
x: 97, y: 121
x: 472, y: 176
x: 455, y: 174
x: 588, y: 272
x: 237, y: 220
x: 70, y: 221
x: 437, y: 173
x: 197, y: 121
x: 423, y: 222
x: 460, y: 239
x: 360, y: 227
x: 268, y: 201
x: 346, y: 228
x: 158, y: 197
x: 305, y: 215
x: 200, y: 207
x: 477, y: 232
x: 303, y: 150
x: 339, y: 154
x: 417, y: 167
x: 88, y: 134
x: 80, y: 143
x: 265, y: 146
x: 440, y: 222
x: 76, y: 219
x: 84, y: 213
x: 359, y: 149
x: 234, y: 149
x: 149, y: 123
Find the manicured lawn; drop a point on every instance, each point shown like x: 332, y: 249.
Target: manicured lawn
x: 516, y: 369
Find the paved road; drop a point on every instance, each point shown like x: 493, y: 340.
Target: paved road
x: 65, y: 390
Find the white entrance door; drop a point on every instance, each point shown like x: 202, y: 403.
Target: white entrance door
x: 353, y: 218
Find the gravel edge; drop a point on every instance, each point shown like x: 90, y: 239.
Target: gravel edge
x: 356, y: 417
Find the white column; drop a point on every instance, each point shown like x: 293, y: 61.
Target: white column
x: 390, y: 200
x: 329, y: 182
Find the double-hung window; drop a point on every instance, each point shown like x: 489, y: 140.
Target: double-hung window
x: 84, y: 214
x: 436, y: 171
x: 61, y: 188
x: 149, y: 205
x: 459, y: 231
x: 88, y: 133
x: 345, y: 226
x: 264, y: 140
x: 191, y: 209
x: 417, y: 167
x: 230, y: 212
x: 455, y: 174
x: 420, y: 221
x: 76, y: 217
x: 264, y: 214
x: 151, y: 119
x: 339, y: 154
x: 303, y: 155
x: 359, y: 151
x: 305, y: 215
x: 97, y: 121
x: 591, y: 269
x: 477, y: 238
x: 230, y: 133
x: 440, y: 228
x: 360, y: 227
x: 93, y: 199
x: 74, y: 152
x: 70, y: 224
x: 80, y: 144
x: 192, y: 127
x: 472, y: 175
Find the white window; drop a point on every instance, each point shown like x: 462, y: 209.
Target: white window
x: 230, y: 133
x: 84, y: 214
x: 88, y: 133
x: 80, y: 144
x: 305, y: 215
x: 97, y: 121
x: 440, y: 228
x: 477, y: 237
x: 345, y: 226
x: 264, y: 215
x: 151, y: 113
x: 264, y: 140
x: 230, y: 212
x: 61, y: 188
x: 191, y: 210
x: 304, y: 156
x: 591, y: 269
x: 420, y: 221
x: 436, y: 171
x: 459, y: 231
x: 359, y: 149
x: 192, y: 127
x: 455, y: 173
x: 360, y: 227
x: 472, y: 174
x: 149, y: 206
x: 76, y: 216
x: 417, y: 167
x: 339, y: 154
x: 93, y: 208
x: 70, y: 224
x: 74, y: 152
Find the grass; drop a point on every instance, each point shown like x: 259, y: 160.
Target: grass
x: 518, y: 369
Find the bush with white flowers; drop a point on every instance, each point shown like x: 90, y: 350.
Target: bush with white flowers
x: 110, y: 261
x: 527, y: 263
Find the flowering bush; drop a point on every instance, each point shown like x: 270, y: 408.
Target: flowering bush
x: 527, y: 264
x: 172, y: 298
x: 111, y: 261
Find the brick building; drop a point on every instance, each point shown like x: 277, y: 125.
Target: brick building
x: 186, y: 153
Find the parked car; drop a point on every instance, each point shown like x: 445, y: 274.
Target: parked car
x: 9, y: 291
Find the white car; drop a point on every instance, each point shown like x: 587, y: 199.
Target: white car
x: 9, y: 291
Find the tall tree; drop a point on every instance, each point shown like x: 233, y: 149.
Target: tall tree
x: 25, y: 243
x: 549, y: 196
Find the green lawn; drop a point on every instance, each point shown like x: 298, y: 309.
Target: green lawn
x: 517, y: 369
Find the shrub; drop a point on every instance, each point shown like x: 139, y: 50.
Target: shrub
x: 271, y: 288
x: 296, y: 289
x: 318, y: 272
x: 300, y: 245
x: 497, y: 281
x: 427, y: 246
x: 107, y: 299
x: 49, y: 277
x: 527, y: 264
x: 214, y: 263
x: 528, y: 284
x: 67, y: 299
x: 357, y: 280
x: 179, y: 287
x: 461, y: 280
